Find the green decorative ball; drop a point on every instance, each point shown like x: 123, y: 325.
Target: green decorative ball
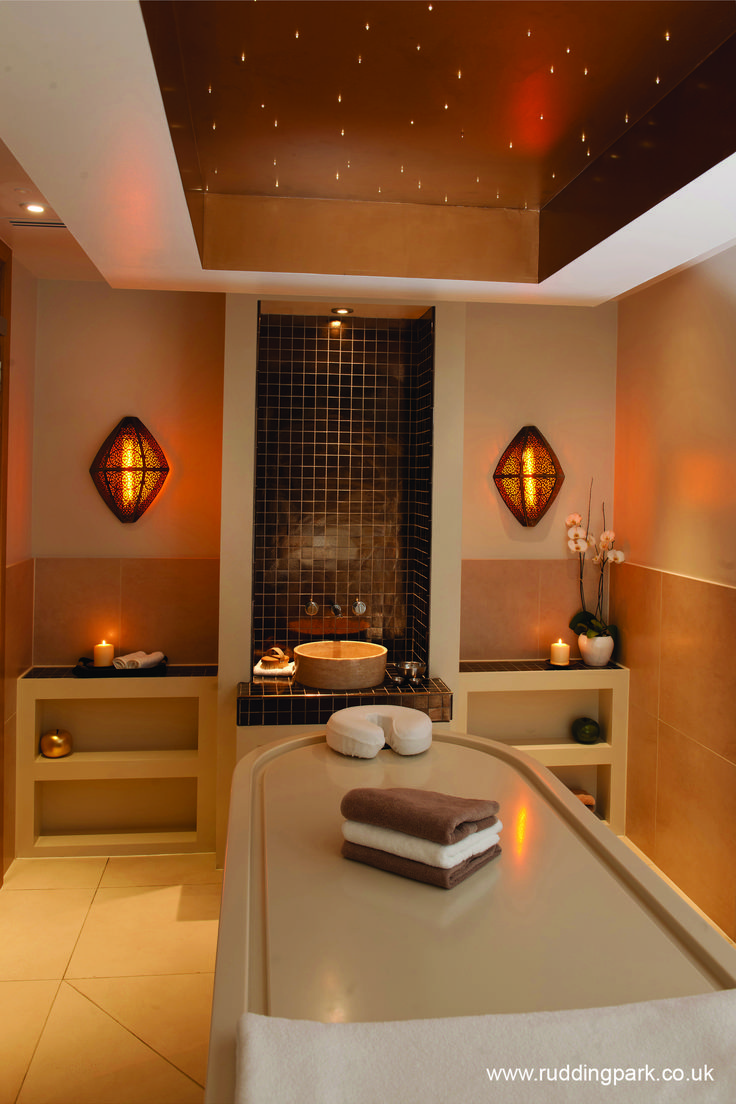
x: 586, y: 731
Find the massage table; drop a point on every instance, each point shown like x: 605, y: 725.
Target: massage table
x: 566, y: 918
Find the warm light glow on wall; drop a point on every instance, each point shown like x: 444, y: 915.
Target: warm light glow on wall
x: 129, y: 470
x: 528, y: 476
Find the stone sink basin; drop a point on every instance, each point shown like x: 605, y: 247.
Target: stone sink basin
x: 340, y: 664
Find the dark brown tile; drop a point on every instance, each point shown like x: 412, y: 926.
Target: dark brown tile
x: 77, y: 604
x: 698, y: 673
x: 636, y: 608
x: 172, y: 606
x: 696, y: 824
x: 499, y: 609
x: 641, y: 780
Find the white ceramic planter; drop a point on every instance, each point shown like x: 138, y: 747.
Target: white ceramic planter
x: 595, y: 650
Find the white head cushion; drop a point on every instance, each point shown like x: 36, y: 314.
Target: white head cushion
x: 363, y: 730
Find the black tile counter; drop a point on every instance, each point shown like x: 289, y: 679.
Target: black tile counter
x: 475, y: 666
x: 281, y: 701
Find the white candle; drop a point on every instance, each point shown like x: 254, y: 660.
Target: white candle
x: 560, y: 654
x: 103, y: 654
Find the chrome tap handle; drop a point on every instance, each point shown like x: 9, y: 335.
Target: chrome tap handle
x: 336, y: 610
x: 359, y: 607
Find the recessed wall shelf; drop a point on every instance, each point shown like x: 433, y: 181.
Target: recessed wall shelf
x: 141, y: 776
x: 530, y: 705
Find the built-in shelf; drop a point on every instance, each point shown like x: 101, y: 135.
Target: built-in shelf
x: 141, y: 776
x: 530, y: 705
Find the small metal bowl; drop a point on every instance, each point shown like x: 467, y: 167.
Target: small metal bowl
x: 411, y: 669
x: 397, y: 677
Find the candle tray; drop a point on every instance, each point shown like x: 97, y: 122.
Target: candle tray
x: 85, y: 668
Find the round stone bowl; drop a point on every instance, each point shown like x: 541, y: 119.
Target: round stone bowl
x: 339, y: 664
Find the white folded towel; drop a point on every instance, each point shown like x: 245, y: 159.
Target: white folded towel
x: 138, y: 659
x: 421, y: 850
x: 284, y: 672
x: 571, y: 1056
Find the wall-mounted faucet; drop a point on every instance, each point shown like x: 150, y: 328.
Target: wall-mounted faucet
x: 336, y: 610
x: 359, y: 607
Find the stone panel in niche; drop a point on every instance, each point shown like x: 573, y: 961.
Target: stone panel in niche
x: 339, y: 489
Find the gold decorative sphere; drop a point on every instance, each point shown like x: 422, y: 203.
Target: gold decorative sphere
x: 56, y: 743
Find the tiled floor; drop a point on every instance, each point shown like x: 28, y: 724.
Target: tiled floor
x: 106, y: 972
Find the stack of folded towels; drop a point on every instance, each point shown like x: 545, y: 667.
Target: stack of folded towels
x: 431, y: 837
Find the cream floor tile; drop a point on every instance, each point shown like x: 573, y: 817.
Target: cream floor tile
x: 169, y: 1013
x: 149, y: 870
x: 85, y: 1057
x: 38, y: 930
x: 156, y: 930
x: 54, y: 874
x: 24, y: 1006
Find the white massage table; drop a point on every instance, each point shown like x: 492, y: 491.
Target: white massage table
x: 566, y: 918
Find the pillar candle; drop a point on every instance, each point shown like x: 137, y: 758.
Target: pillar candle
x: 560, y: 654
x: 103, y: 655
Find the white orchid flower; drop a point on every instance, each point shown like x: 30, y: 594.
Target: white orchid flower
x: 591, y: 540
x: 577, y: 545
x: 607, y: 538
x: 615, y: 555
x: 597, y: 559
x: 573, y: 519
x: 576, y: 532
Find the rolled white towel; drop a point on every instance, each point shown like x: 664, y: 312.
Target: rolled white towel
x: 138, y: 659
x: 129, y: 660
x: 442, y: 855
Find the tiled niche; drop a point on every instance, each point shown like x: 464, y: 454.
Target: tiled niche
x: 343, y: 480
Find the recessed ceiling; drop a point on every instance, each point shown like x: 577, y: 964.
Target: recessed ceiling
x: 482, y: 104
x: 82, y: 112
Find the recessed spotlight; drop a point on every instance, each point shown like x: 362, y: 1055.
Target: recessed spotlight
x: 34, y: 208
x: 342, y: 310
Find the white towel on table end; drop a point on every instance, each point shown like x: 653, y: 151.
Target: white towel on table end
x: 462, y: 1059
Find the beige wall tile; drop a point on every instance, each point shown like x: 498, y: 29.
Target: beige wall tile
x: 38, y: 931
x: 171, y: 605
x: 85, y: 1057
x: 636, y: 608
x: 499, y: 609
x: 698, y: 689
x: 170, y: 1014
x: 77, y: 604
x: 641, y: 780
x: 180, y: 925
x: 54, y: 873
x: 696, y: 824
x: 24, y: 1006
x: 150, y: 870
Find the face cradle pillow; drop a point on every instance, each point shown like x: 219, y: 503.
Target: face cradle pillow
x: 363, y: 730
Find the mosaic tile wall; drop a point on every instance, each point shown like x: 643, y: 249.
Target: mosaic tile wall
x: 343, y: 481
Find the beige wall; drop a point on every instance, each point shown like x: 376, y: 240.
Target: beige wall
x: 553, y: 367
x: 18, y: 613
x: 675, y: 442
x: 104, y: 353
x: 675, y: 600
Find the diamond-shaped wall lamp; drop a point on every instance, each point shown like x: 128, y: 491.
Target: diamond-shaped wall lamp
x: 130, y: 469
x: 528, y: 476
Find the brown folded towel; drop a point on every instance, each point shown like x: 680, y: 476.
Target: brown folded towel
x: 439, y: 817
x: 417, y: 871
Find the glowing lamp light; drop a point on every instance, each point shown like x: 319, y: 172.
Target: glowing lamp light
x: 129, y: 470
x: 528, y: 476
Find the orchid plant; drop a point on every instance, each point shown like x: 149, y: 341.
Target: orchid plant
x: 581, y: 540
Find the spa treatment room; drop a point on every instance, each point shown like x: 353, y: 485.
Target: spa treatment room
x: 367, y: 574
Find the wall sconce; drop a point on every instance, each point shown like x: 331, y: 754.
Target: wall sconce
x: 528, y: 476
x: 129, y: 470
